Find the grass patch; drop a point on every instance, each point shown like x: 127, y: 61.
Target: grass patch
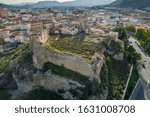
x: 133, y: 80
x: 62, y: 71
x: 117, y: 74
x: 11, y: 54
x: 71, y: 45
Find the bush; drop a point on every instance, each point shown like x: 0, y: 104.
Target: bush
x: 117, y: 76
x: 70, y: 45
x: 4, y: 95
x: 62, y: 71
x: 130, y: 29
x: 116, y: 89
x: 143, y: 35
x: 42, y: 94
x: 116, y: 47
x: 123, y: 35
x: 133, y: 80
x: 11, y: 54
x: 132, y: 55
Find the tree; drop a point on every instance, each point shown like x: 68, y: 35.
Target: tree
x: 122, y: 33
x: 140, y: 34
x: 132, y: 55
x: 108, y: 59
x: 143, y: 35
x: 130, y: 29
x: 117, y: 46
x: 116, y: 88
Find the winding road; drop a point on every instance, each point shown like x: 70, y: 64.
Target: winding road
x: 142, y: 88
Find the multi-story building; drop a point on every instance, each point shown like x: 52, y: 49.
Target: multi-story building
x: 4, y: 33
x: 69, y: 31
x: 36, y: 25
x: 4, y: 12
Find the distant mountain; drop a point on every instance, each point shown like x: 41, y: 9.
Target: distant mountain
x: 131, y: 3
x: 45, y: 4
x: 88, y: 2
x: 24, y: 3
x: 6, y: 6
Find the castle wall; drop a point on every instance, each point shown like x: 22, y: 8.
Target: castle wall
x: 42, y: 55
x: 43, y: 36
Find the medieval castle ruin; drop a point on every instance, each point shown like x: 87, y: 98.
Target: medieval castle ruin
x: 42, y: 55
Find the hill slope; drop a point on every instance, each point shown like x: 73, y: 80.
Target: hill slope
x: 131, y: 3
x: 6, y: 6
x: 45, y: 4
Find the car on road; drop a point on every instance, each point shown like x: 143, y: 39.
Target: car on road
x: 139, y: 46
x: 143, y: 66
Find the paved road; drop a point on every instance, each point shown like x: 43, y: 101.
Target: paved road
x: 143, y: 68
x: 138, y: 93
x: 145, y: 71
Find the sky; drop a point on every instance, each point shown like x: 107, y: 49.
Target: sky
x: 22, y: 1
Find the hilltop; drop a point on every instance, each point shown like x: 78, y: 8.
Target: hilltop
x: 131, y: 3
x: 45, y: 4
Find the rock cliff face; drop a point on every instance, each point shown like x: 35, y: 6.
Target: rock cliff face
x: 25, y: 78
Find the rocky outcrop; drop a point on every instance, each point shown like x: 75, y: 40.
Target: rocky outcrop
x: 6, y: 81
x: 116, y: 56
x: 27, y: 73
x: 23, y: 77
x: 115, y: 48
x: 28, y: 78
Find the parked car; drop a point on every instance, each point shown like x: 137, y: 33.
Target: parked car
x: 143, y: 66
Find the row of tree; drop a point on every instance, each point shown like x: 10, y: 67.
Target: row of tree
x: 124, y: 33
x: 143, y: 36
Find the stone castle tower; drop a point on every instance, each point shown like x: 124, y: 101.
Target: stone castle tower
x: 83, y: 22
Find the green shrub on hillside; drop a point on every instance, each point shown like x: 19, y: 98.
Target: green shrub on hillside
x: 11, y: 54
x: 62, y: 71
x: 69, y: 45
x: 4, y: 95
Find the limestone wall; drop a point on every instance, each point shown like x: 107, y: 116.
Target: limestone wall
x: 43, y: 37
x: 43, y: 55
